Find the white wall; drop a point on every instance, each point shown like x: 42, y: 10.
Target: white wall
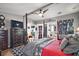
x: 29, y: 24
x: 51, y: 23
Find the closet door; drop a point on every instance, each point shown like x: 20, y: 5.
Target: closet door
x: 40, y: 32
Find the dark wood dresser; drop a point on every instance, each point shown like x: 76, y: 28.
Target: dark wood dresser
x: 3, y: 39
x: 17, y: 37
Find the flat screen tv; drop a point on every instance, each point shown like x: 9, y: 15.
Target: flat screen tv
x: 15, y: 23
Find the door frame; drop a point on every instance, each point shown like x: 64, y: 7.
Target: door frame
x: 38, y: 29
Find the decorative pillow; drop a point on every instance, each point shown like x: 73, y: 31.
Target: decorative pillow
x: 63, y: 44
x: 73, y: 41
x: 76, y: 36
x: 71, y: 49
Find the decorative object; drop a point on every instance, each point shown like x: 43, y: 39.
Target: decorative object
x: 77, y: 30
x: 66, y: 26
x: 2, y: 18
x: 70, y: 26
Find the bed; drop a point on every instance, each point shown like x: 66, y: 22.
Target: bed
x: 41, y: 47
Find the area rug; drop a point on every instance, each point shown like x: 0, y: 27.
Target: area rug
x: 17, y: 51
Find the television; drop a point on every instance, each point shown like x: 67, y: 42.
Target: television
x: 15, y: 23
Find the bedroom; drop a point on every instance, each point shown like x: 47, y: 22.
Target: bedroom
x: 42, y: 27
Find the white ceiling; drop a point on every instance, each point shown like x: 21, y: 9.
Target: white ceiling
x: 19, y: 8
x: 22, y: 8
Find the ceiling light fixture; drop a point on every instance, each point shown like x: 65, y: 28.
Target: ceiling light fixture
x: 34, y: 12
x: 40, y: 14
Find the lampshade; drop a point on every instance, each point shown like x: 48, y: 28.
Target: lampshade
x: 77, y: 30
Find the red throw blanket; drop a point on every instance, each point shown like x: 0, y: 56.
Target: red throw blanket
x: 53, y: 49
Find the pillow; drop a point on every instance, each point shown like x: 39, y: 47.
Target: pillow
x: 73, y: 41
x: 63, y: 44
x: 71, y: 49
x: 61, y: 37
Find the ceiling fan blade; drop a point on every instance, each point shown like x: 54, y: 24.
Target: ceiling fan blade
x: 35, y: 13
x: 45, y: 11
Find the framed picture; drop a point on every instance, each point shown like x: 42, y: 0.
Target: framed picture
x: 32, y: 26
x: 28, y: 27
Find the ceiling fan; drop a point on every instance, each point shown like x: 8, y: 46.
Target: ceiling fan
x: 41, y: 12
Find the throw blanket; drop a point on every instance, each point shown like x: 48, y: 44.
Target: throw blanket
x: 35, y: 48
x: 38, y: 48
